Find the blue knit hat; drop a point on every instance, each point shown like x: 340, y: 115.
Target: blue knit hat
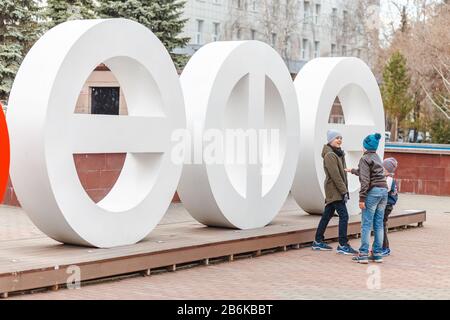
x: 371, y: 141
x: 332, y: 134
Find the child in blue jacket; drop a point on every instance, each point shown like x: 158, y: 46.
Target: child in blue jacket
x: 390, y: 165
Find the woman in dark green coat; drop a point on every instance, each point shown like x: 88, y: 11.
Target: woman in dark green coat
x: 336, y: 194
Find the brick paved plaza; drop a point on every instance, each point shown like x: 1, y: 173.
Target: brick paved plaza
x: 419, y: 268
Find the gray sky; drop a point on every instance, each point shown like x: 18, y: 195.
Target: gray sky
x: 390, y: 14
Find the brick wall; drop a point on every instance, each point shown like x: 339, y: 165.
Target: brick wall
x: 98, y: 172
x: 423, y: 173
x: 10, y: 198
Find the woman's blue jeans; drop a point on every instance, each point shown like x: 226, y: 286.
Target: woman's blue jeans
x: 373, y: 215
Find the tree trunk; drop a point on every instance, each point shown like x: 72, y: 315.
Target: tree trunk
x: 394, y: 130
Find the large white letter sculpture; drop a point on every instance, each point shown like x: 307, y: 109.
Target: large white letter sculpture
x: 317, y: 85
x: 239, y: 85
x: 45, y: 132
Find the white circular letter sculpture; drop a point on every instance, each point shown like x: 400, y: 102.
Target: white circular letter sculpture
x: 318, y: 84
x: 239, y: 85
x: 45, y: 132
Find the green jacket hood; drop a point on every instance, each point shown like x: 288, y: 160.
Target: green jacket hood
x: 326, y: 149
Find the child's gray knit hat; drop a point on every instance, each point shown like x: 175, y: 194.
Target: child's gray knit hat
x: 390, y: 164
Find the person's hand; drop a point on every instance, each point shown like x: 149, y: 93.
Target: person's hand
x: 347, y: 170
x: 362, y: 205
x: 346, y: 197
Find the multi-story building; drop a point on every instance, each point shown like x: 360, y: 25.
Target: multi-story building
x: 298, y: 29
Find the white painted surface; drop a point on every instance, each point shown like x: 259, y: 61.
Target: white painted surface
x: 45, y: 132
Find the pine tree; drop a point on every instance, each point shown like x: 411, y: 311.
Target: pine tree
x: 59, y: 11
x: 398, y: 103
x: 163, y: 17
x: 440, y: 130
x: 18, y: 31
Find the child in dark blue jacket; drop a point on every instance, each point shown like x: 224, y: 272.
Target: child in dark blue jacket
x: 390, y: 165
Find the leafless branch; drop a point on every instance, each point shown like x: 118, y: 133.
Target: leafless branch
x: 435, y: 104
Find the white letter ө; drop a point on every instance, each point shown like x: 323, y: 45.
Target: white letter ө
x: 318, y: 84
x: 45, y: 132
x: 226, y: 85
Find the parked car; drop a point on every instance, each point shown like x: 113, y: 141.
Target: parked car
x: 387, y: 136
x: 418, y: 137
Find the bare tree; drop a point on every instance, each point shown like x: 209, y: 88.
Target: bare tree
x: 441, y: 98
x: 237, y: 21
x: 272, y: 21
x: 423, y: 39
x: 281, y: 18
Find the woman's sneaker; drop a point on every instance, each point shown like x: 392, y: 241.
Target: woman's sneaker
x: 346, y: 250
x: 385, y: 252
x: 322, y: 246
x: 361, y: 258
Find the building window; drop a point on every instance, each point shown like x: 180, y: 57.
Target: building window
x: 238, y: 34
x: 334, y: 17
x: 345, y: 21
x: 254, y: 5
x: 274, y: 39
x: 344, y: 51
x: 105, y: 100
x: 240, y: 4
x: 253, y: 34
x: 358, y: 53
x: 316, y: 49
x: 333, y: 50
x: 198, y: 35
x: 307, y: 11
x: 336, y: 114
x: 359, y: 29
x: 288, y: 45
x: 305, y: 55
x: 317, y: 15
x: 216, y: 31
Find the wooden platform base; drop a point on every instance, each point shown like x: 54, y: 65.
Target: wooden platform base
x: 27, y: 264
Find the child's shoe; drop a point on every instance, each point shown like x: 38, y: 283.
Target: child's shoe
x: 322, y: 246
x: 377, y: 258
x: 346, y: 250
x: 361, y: 258
x: 385, y: 252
